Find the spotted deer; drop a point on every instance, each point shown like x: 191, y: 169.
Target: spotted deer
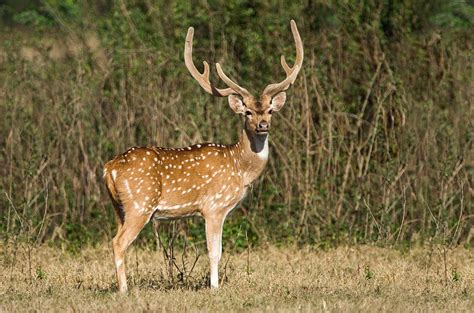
x: 205, y: 179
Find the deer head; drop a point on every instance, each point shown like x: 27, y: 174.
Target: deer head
x: 257, y: 111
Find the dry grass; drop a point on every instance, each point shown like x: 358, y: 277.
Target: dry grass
x: 361, y: 278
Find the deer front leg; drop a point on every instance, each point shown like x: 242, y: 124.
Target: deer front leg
x: 214, y: 226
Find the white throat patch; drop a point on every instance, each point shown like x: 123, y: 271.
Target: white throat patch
x: 263, y: 154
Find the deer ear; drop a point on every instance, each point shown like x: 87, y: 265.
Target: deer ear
x: 236, y: 104
x: 278, y: 101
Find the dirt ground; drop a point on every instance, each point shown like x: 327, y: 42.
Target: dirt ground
x: 361, y: 278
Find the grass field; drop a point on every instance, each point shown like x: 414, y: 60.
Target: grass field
x: 363, y: 278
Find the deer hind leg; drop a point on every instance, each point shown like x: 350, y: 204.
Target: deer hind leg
x: 126, y: 234
x: 117, y: 203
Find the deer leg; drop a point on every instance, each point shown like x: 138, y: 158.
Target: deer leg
x: 214, y: 246
x: 126, y: 234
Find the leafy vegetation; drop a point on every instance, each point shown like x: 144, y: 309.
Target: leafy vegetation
x: 373, y: 145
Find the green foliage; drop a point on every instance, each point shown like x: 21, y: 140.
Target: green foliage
x: 239, y: 234
x: 455, y: 275
x: 368, y: 273
x: 40, y: 274
x: 32, y: 18
x: 453, y: 14
x: 372, y: 145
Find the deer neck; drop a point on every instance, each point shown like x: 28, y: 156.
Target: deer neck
x: 253, y: 155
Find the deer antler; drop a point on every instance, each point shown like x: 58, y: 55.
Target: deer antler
x: 291, y: 72
x: 203, y: 78
x: 240, y: 90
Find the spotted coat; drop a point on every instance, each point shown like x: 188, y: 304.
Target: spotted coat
x: 171, y: 183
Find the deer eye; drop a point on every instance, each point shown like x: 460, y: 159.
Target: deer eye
x: 248, y: 113
x: 270, y: 111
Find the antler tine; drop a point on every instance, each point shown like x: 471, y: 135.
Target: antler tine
x: 291, y: 72
x: 285, y: 65
x: 202, y: 79
x: 299, y: 50
x: 273, y: 89
x: 240, y: 90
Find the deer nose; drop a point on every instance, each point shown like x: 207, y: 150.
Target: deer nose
x: 263, y: 125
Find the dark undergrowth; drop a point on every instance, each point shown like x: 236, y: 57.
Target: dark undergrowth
x: 373, y: 145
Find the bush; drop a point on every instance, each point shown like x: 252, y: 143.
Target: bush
x: 373, y: 144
